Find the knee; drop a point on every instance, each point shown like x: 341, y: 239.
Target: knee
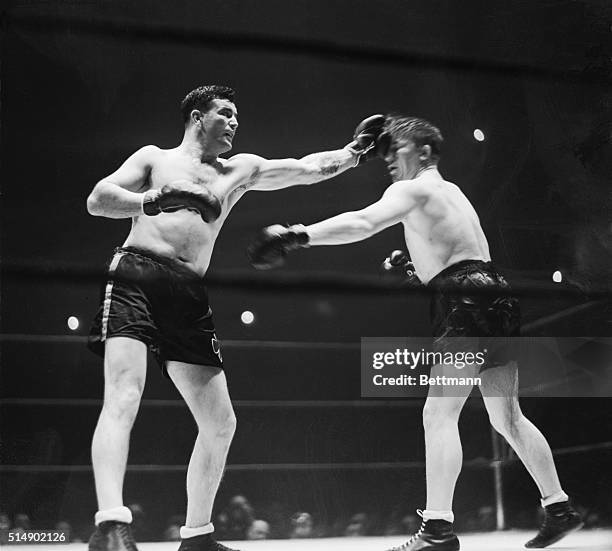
x: 221, y: 425
x: 122, y: 402
x: 437, y: 412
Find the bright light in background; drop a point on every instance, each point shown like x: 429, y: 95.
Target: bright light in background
x: 557, y: 277
x: 73, y: 323
x: 479, y: 135
x: 247, y: 317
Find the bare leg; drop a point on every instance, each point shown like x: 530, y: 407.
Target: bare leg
x: 124, y: 378
x: 204, y: 389
x: 443, y: 453
x: 500, y: 392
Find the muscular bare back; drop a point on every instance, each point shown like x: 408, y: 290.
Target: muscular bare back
x: 442, y: 228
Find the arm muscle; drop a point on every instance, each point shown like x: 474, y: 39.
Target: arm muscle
x: 119, y: 195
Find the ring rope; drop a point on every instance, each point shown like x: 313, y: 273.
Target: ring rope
x: 310, y: 281
x: 295, y: 404
x: 477, y: 463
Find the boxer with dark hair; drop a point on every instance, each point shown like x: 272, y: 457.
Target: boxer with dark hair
x: 450, y: 253
x: 155, y: 297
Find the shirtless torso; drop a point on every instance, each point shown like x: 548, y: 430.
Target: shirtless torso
x: 442, y: 228
x: 182, y: 235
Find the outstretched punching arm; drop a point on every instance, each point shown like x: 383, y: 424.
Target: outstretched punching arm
x: 274, y: 242
x: 272, y: 174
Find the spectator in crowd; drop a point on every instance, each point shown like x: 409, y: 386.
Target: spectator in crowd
x: 402, y: 523
x: 140, y: 525
x: 173, y: 527
x: 65, y: 527
x: 357, y: 526
x: 302, y: 526
x: 240, y: 516
x: 221, y: 525
x: 22, y: 523
x: 5, y: 526
x: 259, y: 530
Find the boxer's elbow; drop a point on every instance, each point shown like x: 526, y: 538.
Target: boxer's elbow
x: 95, y: 202
x: 93, y: 205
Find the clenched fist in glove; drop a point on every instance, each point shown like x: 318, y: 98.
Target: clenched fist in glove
x: 182, y: 195
x: 399, y: 266
x: 271, y: 246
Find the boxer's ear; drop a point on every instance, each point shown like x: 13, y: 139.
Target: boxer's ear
x: 196, y: 116
x: 425, y: 154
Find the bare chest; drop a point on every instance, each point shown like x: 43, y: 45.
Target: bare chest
x: 168, y: 170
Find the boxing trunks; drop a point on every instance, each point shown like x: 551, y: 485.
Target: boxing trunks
x: 156, y: 301
x: 472, y: 308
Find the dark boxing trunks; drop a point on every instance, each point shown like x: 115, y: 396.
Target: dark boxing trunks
x: 160, y: 303
x: 472, y: 307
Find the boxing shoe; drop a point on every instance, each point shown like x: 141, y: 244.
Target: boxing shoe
x: 202, y: 543
x: 559, y: 521
x: 434, y: 535
x: 112, y: 536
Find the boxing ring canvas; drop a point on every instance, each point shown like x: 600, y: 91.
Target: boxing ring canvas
x: 599, y: 540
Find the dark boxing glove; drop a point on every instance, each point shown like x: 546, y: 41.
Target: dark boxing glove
x: 270, y: 247
x: 366, y: 138
x: 399, y: 266
x: 175, y: 196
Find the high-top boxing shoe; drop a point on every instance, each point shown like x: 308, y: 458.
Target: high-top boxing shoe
x: 202, y: 543
x: 112, y: 536
x: 560, y: 520
x: 434, y: 535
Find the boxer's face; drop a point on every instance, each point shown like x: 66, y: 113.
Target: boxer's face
x: 404, y: 159
x: 218, y: 125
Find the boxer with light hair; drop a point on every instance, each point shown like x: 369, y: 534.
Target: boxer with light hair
x: 470, y: 300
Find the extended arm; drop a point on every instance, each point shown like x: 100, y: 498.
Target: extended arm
x: 274, y: 242
x: 349, y: 227
x: 281, y: 173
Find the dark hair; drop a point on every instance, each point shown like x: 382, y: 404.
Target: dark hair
x: 420, y: 131
x: 200, y: 98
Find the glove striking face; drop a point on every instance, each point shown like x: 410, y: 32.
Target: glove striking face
x: 366, y: 138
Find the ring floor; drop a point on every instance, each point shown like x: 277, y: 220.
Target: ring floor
x: 593, y: 540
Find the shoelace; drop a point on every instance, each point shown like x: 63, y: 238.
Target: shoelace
x: 126, y: 536
x: 414, y: 536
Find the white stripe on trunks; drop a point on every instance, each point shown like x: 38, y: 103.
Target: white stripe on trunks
x: 108, y: 293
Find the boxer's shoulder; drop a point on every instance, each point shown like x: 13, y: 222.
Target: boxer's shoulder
x: 151, y: 151
x: 243, y: 160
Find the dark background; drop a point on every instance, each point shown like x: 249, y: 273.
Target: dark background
x: 84, y: 84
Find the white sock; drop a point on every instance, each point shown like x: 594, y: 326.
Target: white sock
x: 120, y: 514
x: 188, y: 532
x: 438, y: 515
x: 559, y: 497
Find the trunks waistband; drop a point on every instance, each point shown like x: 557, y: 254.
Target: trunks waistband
x: 163, y: 261
x: 463, y: 265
